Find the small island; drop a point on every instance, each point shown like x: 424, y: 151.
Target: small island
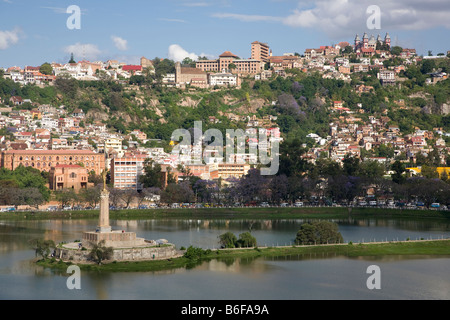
x: 315, y: 240
x: 118, y: 245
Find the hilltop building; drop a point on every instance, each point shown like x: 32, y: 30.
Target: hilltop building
x: 367, y: 46
x: 260, y: 51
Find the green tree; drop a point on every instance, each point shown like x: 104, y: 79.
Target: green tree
x: 188, y: 62
x: 42, y: 247
x: 399, y: 169
x: 318, y: 232
x: 152, y: 176
x: 429, y: 172
x: 347, y: 50
x: 100, y: 252
x: 72, y: 60
x: 90, y: 196
x: 396, y: 50
x: 246, y: 240
x: 427, y: 66
x: 46, y: 68
x: 65, y: 196
x: 350, y: 165
x: 371, y: 169
x: 227, y: 240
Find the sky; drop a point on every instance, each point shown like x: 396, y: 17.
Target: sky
x: 35, y: 31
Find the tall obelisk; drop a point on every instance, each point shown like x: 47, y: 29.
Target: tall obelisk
x: 103, y: 221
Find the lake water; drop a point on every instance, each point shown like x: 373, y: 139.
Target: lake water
x: 284, y: 278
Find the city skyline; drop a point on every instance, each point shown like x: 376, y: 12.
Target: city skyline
x: 34, y: 32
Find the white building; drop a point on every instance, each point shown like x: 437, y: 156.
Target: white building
x: 222, y: 79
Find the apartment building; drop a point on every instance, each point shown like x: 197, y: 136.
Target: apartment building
x: 126, y: 171
x: 260, y: 51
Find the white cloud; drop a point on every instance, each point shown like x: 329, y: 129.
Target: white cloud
x: 60, y: 10
x: 120, y: 43
x: 247, y: 17
x: 9, y: 38
x: 177, y: 53
x: 172, y: 20
x: 339, y: 18
x: 196, y: 4
x: 83, y: 51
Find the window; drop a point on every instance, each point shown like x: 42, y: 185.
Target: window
x: 73, y: 175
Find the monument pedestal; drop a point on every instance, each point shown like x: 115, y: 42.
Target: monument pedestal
x: 115, y: 239
x: 104, y: 232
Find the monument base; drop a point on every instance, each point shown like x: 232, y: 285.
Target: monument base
x: 103, y: 229
x: 115, y: 239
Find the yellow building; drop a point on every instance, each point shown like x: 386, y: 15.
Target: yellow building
x: 440, y: 170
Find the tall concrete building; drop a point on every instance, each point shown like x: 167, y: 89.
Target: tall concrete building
x: 260, y: 51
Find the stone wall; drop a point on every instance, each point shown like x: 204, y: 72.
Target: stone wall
x: 122, y: 254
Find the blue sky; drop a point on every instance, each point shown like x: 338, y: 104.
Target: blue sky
x: 33, y: 31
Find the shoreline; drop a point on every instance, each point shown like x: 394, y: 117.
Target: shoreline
x: 236, y: 213
x: 437, y: 248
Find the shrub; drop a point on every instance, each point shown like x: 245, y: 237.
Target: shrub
x: 318, y: 232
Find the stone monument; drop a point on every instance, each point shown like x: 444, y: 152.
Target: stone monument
x: 103, y: 221
x: 125, y: 245
x: 112, y: 238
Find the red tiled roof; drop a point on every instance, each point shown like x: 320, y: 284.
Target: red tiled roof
x: 228, y: 54
x: 52, y: 152
x: 132, y: 68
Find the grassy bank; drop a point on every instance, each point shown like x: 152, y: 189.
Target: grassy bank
x: 410, y: 248
x: 236, y: 213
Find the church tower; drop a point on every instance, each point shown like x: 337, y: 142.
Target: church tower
x: 387, y: 40
x: 357, y: 42
x: 365, y: 41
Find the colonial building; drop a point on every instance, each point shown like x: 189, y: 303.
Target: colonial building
x: 44, y: 160
x: 244, y: 66
x: 66, y: 176
x: 367, y: 46
x: 192, y: 76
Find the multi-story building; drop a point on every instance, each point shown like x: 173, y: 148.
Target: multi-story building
x: 44, y: 160
x: 386, y: 77
x: 127, y: 170
x: 245, y: 66
x: 192, y: 76
x: 66, y: 176
x: 368, y: 45
x: 112, y: 145
x: 231, y: 170
x: 260, y: 51
x: 223, y: 79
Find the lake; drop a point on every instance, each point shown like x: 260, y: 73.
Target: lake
x: 283, y: 278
